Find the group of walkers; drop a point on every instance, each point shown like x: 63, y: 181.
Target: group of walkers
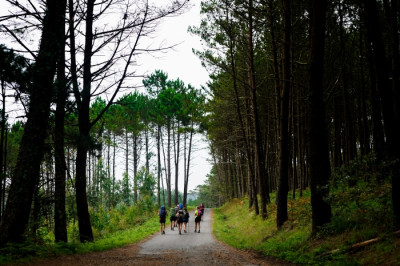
x: 179, y: 217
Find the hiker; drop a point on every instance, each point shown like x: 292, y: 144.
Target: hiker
x: 185, y: 219
x: 162, y: 213
x: 197, y: 219
x: 172, y: 218
x: 176, y: 211
x: 180, y: 215
x: 202, y: 210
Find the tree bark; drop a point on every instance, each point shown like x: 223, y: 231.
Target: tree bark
x: 60, y: 217
x: 259, y: 155
x: 318, y: 141
x: 283, y: 183
x: 85, y: 228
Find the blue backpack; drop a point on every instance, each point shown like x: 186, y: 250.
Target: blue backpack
x: 163, y: 213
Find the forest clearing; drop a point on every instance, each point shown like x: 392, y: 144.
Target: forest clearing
x: 299, y: 117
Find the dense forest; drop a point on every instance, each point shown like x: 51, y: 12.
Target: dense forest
x: 298, y: 90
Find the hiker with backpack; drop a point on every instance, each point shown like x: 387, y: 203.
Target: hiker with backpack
x: 162, y: 213
x: 172, y: 218
x: 185, y: 219
x: 202, y: 210
x: 180, y: 215
x: 176, y: 214
x: 197, y: 219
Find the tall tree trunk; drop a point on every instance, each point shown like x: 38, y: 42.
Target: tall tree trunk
x: 158, y: 164
x: 237, y: 105
x: 85, y: 228
x: 176, y: 160
x: 135, y: 167
x: 3, y: 147
x: 27, y: 170
x: 60, y: 218
x: 146, y: 133
x: 283, y: 184
x: 188, y: 165
x: 169, y: 163
x: 318, y: 140
x: 377, y: 128
x: 260, y: 162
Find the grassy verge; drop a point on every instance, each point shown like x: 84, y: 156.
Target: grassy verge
x: 28, y: 251
x: 355, y: 219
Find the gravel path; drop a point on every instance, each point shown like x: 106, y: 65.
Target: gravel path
x: 169, y: 249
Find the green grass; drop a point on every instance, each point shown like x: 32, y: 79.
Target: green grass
x: 359, y: 214
x: 29, y: 250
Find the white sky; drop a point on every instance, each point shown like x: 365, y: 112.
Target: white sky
x: 183, y: 64
x: 179, y: 62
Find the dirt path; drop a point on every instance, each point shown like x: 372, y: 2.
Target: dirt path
x: 170, y: 249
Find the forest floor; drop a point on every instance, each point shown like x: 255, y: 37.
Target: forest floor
x: 169, y: 249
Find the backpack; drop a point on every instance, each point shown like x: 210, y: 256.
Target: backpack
x: 172, y: 212
x: 181, y: 214
x: 162, y: 213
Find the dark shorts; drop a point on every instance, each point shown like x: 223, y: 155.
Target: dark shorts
x: 197, y: 219
x: 172, y: 218
x: 162, y: 220
x: 185, y: 220
x: 180, y: 220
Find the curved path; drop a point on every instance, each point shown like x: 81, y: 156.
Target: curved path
x: 170, y: 249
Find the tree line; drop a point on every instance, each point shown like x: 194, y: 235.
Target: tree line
x: 64, y: 152
x: 299, y: 88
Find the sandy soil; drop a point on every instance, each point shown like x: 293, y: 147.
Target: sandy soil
x: 169, y: 249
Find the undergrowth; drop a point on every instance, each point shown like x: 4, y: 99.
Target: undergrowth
x: 361, y: 210
x: 111, y: 229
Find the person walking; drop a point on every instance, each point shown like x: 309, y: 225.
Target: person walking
x: 202, y: 211
x: 162, y: 213
x: 172, y: 218
x: 197, y: 219
x: 185, y: 219
x: 180, y: 215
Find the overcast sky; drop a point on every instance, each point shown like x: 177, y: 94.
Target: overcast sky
x: 183, y: 64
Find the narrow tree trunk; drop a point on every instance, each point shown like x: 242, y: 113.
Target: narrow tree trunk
x: 259, y: 155
x: 188, y: 163
x: 85, y: 228
x: 283, y: 184
x: 135, y: 168
x: 60, y: 218
x: 3, y: 147
x: 176, y: 157
x: 159, y: 165
x: 318, y: 141
x: 169, y: 164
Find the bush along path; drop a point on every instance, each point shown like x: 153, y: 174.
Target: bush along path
x: 169, y: 249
